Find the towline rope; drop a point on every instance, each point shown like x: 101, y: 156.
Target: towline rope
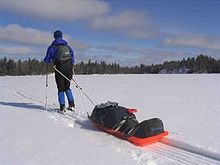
x: 76, y: 84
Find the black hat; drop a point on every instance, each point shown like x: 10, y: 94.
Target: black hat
x: 57, y: 34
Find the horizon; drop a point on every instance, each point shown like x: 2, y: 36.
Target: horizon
x: 124, y: 32
x: 109, y: 63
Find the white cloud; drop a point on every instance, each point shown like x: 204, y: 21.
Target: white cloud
x: 18, y: 34
x: 16, y: 40
x: 120, y: 21
x: 76, y: 44
x: 57, y: 9
x: 133, y: 24
x: 158, y: 56
x: 120, y: 48
x: 14, y: 33
x: 16, y: 50
x: 96, y: 13
x: 193, y: 41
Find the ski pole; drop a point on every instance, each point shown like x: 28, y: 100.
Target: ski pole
x: 46, y: 88
x: 77, y: 85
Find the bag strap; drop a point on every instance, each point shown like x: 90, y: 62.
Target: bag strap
x: 128, y: 131
x: 117, y: 126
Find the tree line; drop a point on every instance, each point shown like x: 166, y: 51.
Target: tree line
x: 199, y: 64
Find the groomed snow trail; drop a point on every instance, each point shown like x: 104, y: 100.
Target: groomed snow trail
x: 190, y: 148
x: 181, y: 155
x: 168, y: 150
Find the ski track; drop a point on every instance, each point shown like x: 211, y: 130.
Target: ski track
x: 180, y: 155
x: 170, y: 149
x: 190, y: 148
x: 70, y: 118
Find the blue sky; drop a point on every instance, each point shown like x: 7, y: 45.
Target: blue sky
x: 128, y: 32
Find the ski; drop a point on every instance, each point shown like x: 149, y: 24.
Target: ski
x: 57, y: 110
x: 62, y: 112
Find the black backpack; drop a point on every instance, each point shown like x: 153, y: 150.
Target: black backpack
x: 63, y: 53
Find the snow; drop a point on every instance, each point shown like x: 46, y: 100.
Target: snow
x: 187, y: 104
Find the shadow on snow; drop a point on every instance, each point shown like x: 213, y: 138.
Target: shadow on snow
x: 29, y: 106
x: 85, y: 123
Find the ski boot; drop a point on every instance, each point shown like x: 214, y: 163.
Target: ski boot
x: 71, y: 106
x: 62, y: 109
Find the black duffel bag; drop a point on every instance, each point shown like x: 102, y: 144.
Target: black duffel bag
x: 109, y: 114
x: 149, y: 128
x: 118, y: 118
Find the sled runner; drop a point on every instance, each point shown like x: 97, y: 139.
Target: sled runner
x: 122, y: 123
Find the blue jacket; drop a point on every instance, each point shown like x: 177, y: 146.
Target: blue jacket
x: 52, y: 49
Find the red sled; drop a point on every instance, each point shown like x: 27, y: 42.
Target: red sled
x: 134, y: 140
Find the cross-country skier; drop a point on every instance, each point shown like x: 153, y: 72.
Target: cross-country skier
x: 63, y: 58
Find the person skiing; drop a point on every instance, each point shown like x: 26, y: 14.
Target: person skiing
x: 62, y: 56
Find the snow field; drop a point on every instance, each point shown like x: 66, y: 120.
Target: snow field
x: 187, y: 104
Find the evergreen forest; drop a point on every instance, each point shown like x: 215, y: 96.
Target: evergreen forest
x: 199, y: 64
